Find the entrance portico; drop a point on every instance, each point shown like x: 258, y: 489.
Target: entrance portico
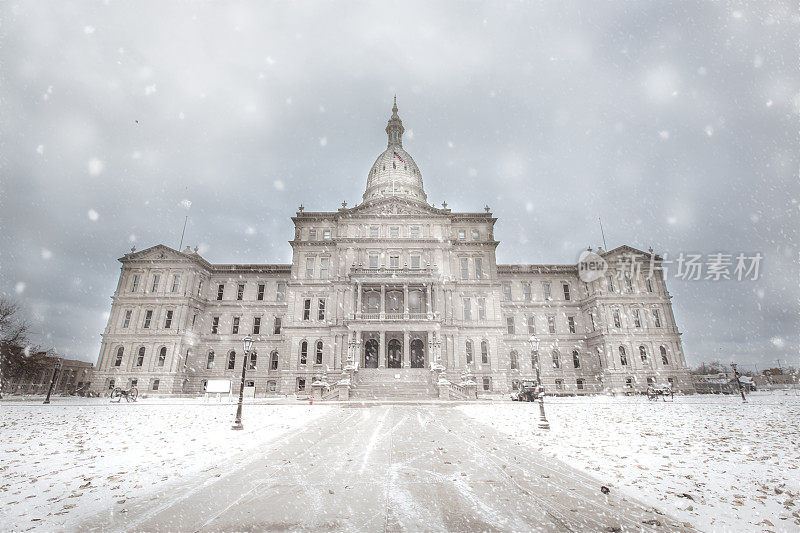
x: 393, y: 349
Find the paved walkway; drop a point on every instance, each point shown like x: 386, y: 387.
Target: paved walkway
x: 391, y: 468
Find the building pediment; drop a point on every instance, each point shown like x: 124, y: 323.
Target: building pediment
x: 161, y: 252
x: 393, y: 206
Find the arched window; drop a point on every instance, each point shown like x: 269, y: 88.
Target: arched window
x: 469, y: 352
x: 232, y: 360
x: 303, y: 352
x: 623, y: 357
x: 273, y: 361
x: 253, y: 359
x: 162, y: 356
x: 576, y: 360
x: 140, y: 356
x: 485, y: 352
x: 664, y: 358
x: 210, y: 362
x: 556, y: 361
x: 643, y: 354
x: 120, y: 353
x: 513, y: 360
x: 319, y: 353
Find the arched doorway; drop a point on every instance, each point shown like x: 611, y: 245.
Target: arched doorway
x: 394, y: 354
x: 371, y: 354
x: 417, y: 354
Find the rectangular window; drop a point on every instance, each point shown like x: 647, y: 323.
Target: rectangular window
x: 657, y: 318
x: 579, y: 384
x: 475, y: 235
x: 220, y: 291
x: 256, y: 325
x: 414, y: 233
x: 526, y: 291
x: 414, y: 261
x: 531, y: 321
x: 482, y: 308
x: 168, y: 320
x: 135, y: 285
x: 551, y: 323
x: 215, y: 325
x: 280, y: 294
x: 571, y: 323
x: 566, y: 291
x: 484, y: 352
x: 610, y: 284
x: 467, y: 309
x: 140, y: 357
x: 326, y: 235
x: 276, y: 326
x: 373, y: 232
x: 507, y: 292
x: 637, y: 321
x: 373, y: 261
x: 240, y: 292
x: 510, y: 325
x: 156, y: 281
x: 323, y: 267
x: 309, y: 267
x: 210, y: 360
x: 272, y: 386
x: 478, y: 268
x: 155, y: 384
x: 148, y: 316
x: 546, y: 291
x: 301, y: 384
x: 556, y: 359
x: 235, y: 327
x: 162, y: 356
x: 176, y: 282
x: 253, y: 361
x: 487, y: 383
x: 394, y: 232
x: 462, y: 235
x: 232, y: 360
x: 312, y: 235
x: 127, y: 321
x: 559, y: 384
x: 464, y: 268
x: 394, y: 261
x: 307, y: 309
x: 260, y: 294
x: 617, y: 319
x: 649, y: 284
x: 321, y: 309
x: 591, y: 318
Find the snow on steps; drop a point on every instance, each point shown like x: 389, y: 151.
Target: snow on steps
x: 394, y: 384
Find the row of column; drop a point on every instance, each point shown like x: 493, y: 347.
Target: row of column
x: 382, y: 308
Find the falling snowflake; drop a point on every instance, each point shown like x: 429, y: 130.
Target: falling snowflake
x: 46, y: 254
x: 278, y: 184
x: 186, y: 203
x: 150, y: 89
x: 40, y: 149
x: 95, y: 166
x: 323, y: 141
x: 20, y: 287
x: 88, y: 30
x: 664, y: 134
x: 93, y: 215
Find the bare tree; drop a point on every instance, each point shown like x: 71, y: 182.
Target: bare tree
x: 18, y: 358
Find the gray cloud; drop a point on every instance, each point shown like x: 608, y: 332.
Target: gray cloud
x: 675, y: 122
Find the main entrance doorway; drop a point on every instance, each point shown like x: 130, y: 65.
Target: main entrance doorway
x: 417, y: 354
x: 394, y: 354
x: 371, y: 354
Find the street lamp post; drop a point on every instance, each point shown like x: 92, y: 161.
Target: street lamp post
x: 56, y: 368
x: 248, y: 345
x: 543, y: 423
x: 736, y: 376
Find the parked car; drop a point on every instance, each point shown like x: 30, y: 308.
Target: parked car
x: 528, y: 391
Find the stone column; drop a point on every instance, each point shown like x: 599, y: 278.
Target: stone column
x: 358, y: 302
x: 428, y: 299
x: 382, y: 347
x: 406, y: 349
x: 405, y: 301
x: 383, y: 302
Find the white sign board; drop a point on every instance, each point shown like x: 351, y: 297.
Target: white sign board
x: 218, y: 386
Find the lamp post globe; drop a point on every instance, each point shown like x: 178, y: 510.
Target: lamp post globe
x: 248, y: 346
x: 543, y: 423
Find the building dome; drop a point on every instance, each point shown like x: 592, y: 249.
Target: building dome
x: 394, y: 173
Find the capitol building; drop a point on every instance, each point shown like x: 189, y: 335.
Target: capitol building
x: 392, y: 297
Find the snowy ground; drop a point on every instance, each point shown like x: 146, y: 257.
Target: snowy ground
x: 76, y: 457
x: 707, y: 460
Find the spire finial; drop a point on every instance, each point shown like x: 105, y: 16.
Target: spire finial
x: 395, y: 127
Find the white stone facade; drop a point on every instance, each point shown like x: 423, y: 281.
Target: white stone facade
x: 393, y: 283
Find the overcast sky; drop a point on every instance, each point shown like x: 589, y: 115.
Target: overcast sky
x: 675, y: 122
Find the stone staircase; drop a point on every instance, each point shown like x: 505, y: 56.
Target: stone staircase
x: 394, y: 384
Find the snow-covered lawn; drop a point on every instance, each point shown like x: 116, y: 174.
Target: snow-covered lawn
x: 709, y: 460
x: 62, y: 462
